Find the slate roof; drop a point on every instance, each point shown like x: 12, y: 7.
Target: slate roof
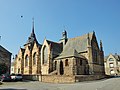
x: 31, y: 38
x: 78, y: 44
x: 117, y: 57
x: 2, y: 49
x: 55, y: 47
x: 69, y: 53
x: 22, y: 50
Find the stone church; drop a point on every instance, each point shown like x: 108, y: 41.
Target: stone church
x: 68, y: 57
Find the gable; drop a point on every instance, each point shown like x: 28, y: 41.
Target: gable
x: 94, y: 42
x: 27, y: 50
x: 36, y: 45
x: 45, y: 44
x: 111, y: 58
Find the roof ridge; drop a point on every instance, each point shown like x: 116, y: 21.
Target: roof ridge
x: 82, y: 35
x: 52, y: 41
x: 5, y: 49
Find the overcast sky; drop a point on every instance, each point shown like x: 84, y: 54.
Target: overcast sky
x: 51, y: 17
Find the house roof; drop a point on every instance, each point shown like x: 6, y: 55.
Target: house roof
x: 76, y: 45
x: 116, y: 56
x: 4, y: 50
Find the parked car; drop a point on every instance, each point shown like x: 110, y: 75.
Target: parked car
x: 16, y: 77
x: 12, y: 76
x: 5, y: 77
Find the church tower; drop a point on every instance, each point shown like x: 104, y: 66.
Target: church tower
x: 31, y: 38
x: 64, y: 38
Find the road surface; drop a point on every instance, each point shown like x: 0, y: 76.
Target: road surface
x: 105, y: 84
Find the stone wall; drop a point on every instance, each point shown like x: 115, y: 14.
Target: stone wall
x: 58, y: 79
x: 63, y: 79
x: 70, y: 79
x: 81, y: 78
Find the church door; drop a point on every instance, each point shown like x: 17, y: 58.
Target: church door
x: 61, y: 68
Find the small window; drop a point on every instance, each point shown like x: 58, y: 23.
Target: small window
x: 111, y: 65
x: 18, y: 70
x: 112, y: 72
x: 66, y: 62
x: 12, y: 69
x: 19, y: 59
x: 111, y: 59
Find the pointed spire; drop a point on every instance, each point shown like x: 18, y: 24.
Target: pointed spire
x: 101, y: 46
x: 33, y: 33
x: 32, y: 37
x: 88, y: 37
x: 33, y: 25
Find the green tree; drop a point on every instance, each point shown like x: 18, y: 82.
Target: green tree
x: 3, y: 68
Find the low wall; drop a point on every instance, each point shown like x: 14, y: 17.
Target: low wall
x: 80, y: 78
x: 70, y: 79
x: 63, y: 78
x: 58, y: 79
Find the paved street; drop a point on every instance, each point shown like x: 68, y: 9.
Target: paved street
x: 106, y: 84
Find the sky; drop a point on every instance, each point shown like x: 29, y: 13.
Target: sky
x: 51, y: 17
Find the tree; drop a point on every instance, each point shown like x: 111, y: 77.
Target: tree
x: 3, y: 68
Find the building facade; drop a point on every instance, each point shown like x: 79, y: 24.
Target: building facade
x: 27, y: 61
x: 12, y: 68
x: 5, y: 57
x: 112, y: 64
x: 68, y: 57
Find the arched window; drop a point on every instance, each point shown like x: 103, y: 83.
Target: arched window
x: 66, y: 62
x: 26, y: 60
x: 34, y: 58
x: 61, y: 68
x: 55, y: 65
x: 95, y: 55
x: 80, y: 62
x: 45, y: 55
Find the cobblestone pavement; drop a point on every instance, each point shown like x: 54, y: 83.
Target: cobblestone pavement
x: 106, y: 84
